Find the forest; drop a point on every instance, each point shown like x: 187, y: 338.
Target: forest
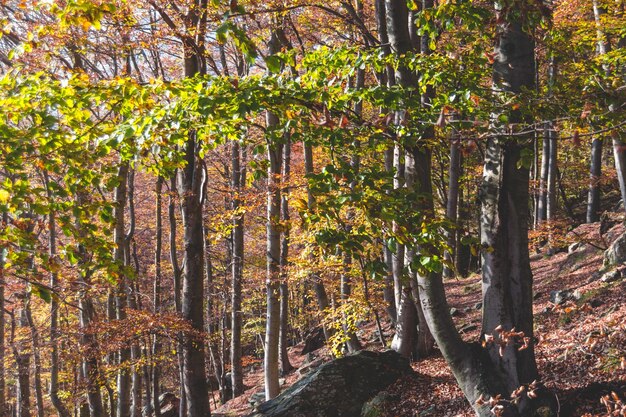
x: 300, y: 208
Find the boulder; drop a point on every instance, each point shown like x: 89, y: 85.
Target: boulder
x: 338, y: 388
x: 257, y: 398
x: 611, y: 276
x: 168, y: 403
x: 313, y: 340
x: 377, y: 406
x: 616, y: 253
x: 560, y: 297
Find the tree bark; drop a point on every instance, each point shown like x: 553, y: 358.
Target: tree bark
x: 417, y: 169
x: 237, y: 273
x: 406, y: 329
x: 272, y: 326
x: 595, y: 173
x: 34, y: 334
x: 452, y: 205
x: 22, y: 361
x: 86, y: 316
x: 123, y: 376
x: 156, y: 297
x: 285, y: 365
x: 270, y: 364
x: 4, y: 411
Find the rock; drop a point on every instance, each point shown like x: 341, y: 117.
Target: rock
x: 338, y: 388
x: 168, y: 403
x: 559, y: 297
x: 305, y: 369
x: 537, y: 295
x: 595, y: 303
x: 378, y: 404
x: 478, y: 306
x: 454, y: 312
x: 611, y: 276
x: 313, y: 340
x: 616, y: 253
x: 427, y: 412
x: 577, y: 295
x: 257, y: 398
x: 468, y: 328
x: 575, y: 247
x: 281, y: 381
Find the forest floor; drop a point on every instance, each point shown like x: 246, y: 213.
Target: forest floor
x: 580, y: 354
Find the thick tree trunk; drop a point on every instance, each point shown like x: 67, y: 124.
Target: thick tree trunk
x: 507, y: 277
x: 417, y: 159
x: 190, y: 189
x: 404, y: 341
x: 285, y: 365
x: 237, y: 273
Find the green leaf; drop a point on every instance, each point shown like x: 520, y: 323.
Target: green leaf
x: 273, y: 63
x: 40, y: 292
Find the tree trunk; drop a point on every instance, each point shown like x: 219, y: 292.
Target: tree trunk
x: 404, y: 341
x: 387, y: 77
x: 156, y: 297
x: 397, y: 257
x: 176, y: 276
x: 22, y: 361
x: 123, y: 376
x: 619, y: 147
x: 54, y: 316
x: 237, y: 273
x: 273, y: 264
x: 4, y: 411
x: 453, y: 199
x: 595, y: 173
x: 389, y: 291
x: 272, y: 327
x: 542, y: 212
x: 285, y: 365
x: 87, y: 313
x: 507, y: 277
x: 553, y: 163
x: 34, y: 334
x: 190, y: 188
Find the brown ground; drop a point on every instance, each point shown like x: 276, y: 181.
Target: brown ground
x: 580, y: 355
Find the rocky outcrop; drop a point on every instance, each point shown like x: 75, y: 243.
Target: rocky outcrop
x: 616, y: 253
x: 338, y: 388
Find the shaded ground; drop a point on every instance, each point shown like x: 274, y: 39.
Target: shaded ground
x: 580, y: 354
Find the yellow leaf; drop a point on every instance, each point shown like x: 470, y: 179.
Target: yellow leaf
x: 4, y: 196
